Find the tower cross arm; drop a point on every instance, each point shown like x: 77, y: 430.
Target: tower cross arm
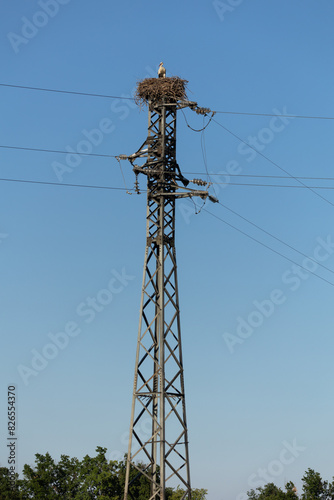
x: 201, y: 194
x: 190, y: 194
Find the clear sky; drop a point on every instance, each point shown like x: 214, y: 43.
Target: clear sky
x: 257, y: 329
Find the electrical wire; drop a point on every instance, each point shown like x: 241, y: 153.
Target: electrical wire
x: 120, y: 167
x: 205, y: 163
x: 65, y: 92
x: 128, y: 189
x: 200, y: 208
x: 199, y: 129
x: 19, y: 148
x: 211, y: 174
x: 272, y: 114
x: 267, y: 246
x: 64, y: 184
x: 244, y: 218
x: 203, y: 147
x: 273, y: 236
x: 57, y: 151
x: 264, y: 176
x: 272, y: 162
x: 205, y: 160
x: 272, y: 185
x: 107, y: 96
x: 202, y: 173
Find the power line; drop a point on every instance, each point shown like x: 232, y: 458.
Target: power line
x: 127, y: 189
x: 200, y: 173
x: 267, y: 246
x: 273, y: 236
x: 66, y: 92
x: 42, y: 150
x: 214, y: 215
x: 272, y: 162
x: 65, y: 184
x: 262, y: 176
x: 272, y: 114
x: 57, y: 151
x: 198, y: 129
x: 107, y: 96
x: 272, y: 185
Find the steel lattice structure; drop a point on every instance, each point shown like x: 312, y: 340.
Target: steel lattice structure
x: 158, y: 428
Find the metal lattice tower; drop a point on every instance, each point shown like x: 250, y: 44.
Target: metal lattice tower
x: 158, y: 406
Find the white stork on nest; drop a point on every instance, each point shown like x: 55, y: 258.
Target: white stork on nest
x: 161, y: 71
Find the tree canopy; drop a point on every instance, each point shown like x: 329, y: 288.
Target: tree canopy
x: 314, y: 488
x: 271, y: 492
x: 97, y: 478
x: 89, y: 479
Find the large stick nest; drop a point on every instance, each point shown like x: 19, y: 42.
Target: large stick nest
x: 171, y: 89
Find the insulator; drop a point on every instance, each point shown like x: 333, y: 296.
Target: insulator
x: 202, y: 111
x: 137, y: 184
x: 199, y: 182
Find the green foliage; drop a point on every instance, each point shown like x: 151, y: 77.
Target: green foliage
x: 140, y: 488
x: 47, y: 479
x: 272, y: 492
x: 96, y: 478
x: 92, y: 478
x: 314, y: 487
x: 89, y: 479
x: 8, y: 491
x: 196, y: 494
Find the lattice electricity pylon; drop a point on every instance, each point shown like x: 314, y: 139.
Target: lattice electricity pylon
x: 158, y: 442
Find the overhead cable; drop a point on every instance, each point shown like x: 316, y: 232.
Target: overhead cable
x: 56, y: 151
x: 262, y: 176
x: 64, y: 184
x: 273, y: 114
x: 273, y: 236
x: 272, y: 185
x: 267, y: 246
x: 272, y: 162
x: 107, y: 96
x: 66, y: 92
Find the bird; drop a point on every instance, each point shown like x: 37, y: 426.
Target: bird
x: 161, y: 71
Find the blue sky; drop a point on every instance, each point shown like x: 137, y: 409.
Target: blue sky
x: 253, y: 391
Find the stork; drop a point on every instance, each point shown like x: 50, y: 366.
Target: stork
x: 161, y: 71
